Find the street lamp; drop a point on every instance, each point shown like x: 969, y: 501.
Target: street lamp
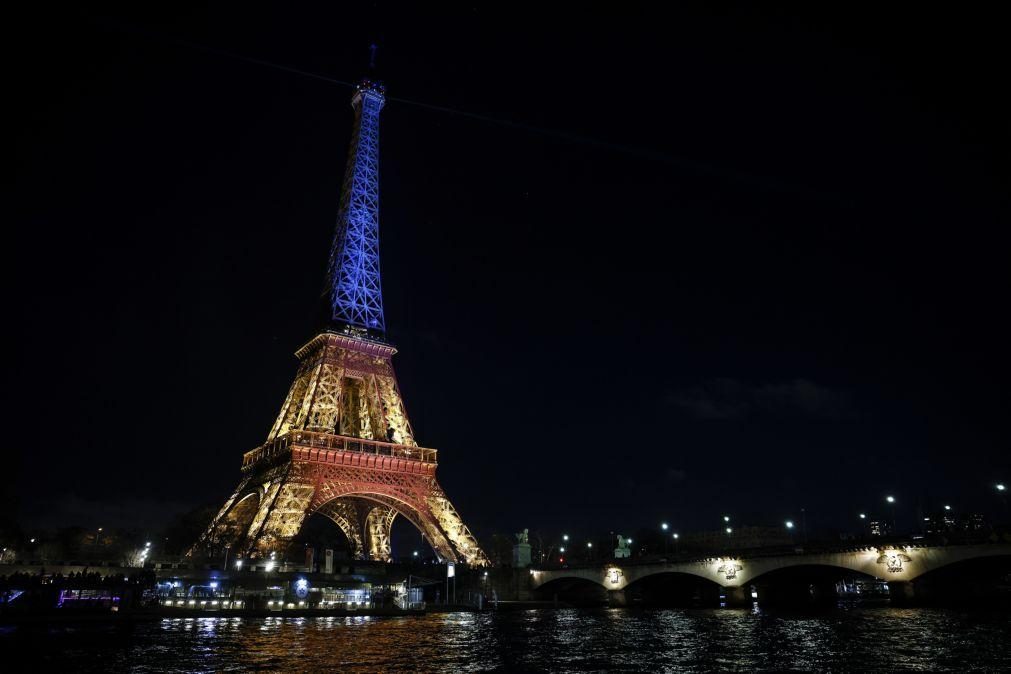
x: 789, y: 524
x: 663, y: 526
x: 729, y: 531
x: 947, y: 507
x: 891, y: 502
x: 726, y: 518
x: 565, y: 537
x: 1000, y: 486
x: 676, y: 536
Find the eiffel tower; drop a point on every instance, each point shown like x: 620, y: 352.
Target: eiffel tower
x: 342, y: 445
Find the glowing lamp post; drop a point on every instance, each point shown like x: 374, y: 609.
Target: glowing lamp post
x: 663, y: 527
x: 675, y: 537
x: 891, y: 501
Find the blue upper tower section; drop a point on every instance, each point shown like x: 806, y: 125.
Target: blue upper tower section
x: 354, y: 289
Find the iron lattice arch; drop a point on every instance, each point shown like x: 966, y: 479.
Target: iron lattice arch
x: 327, y: 453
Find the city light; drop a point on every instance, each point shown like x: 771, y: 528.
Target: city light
x: 562, y: 550
x: 729, y: 530
x: 415, y: 553
x: 890, y: 499
x: 214, y: 584
x: 726, y: 518
x: 664, y: 526
x: 863, y: 516
x: 947, y: 507
x: 629, y: 541
x: 1000, y: 486
x: 675, y: 537
x: 148, y: 544
x: 565, y: 537
x: 238, y: 564
x: 589, y: 545
x: 789, y: 524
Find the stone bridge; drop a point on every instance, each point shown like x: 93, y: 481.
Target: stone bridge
x: 898, y: 565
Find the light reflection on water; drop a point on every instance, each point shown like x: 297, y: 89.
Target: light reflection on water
x: 873, y: 639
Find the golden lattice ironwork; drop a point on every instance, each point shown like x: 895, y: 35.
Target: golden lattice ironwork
x: 342, y: 447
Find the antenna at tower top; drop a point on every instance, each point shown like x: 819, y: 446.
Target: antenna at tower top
x: 373, y: 48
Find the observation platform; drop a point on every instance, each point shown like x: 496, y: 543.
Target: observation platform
x: 343, y: 450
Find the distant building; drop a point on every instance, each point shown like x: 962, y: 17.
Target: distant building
x: 947, y: 522
x: 879, y: 528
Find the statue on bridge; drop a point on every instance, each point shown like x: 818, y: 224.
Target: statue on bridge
x: 622, y: 551
x: 521, y: 550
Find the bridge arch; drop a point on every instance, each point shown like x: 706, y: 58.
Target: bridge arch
x: 578, y: 590
x: 672, y: 588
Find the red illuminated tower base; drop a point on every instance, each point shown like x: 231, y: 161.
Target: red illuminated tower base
x: 341, y: 447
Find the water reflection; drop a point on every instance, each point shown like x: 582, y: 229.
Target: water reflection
x: 878, y: 639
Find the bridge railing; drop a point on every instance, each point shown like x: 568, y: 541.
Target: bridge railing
x: 812, y: 548
x: 338, y: 443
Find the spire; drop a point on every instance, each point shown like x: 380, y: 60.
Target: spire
x: 354, y: 290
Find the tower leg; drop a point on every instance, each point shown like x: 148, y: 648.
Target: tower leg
x: 378, y: 524
x: 226, y: 529
x: 347, y: 515
x: 282, y: 511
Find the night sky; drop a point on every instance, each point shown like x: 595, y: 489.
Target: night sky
x: 638, y: 267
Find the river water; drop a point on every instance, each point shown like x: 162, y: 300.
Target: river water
x: 569, y: 640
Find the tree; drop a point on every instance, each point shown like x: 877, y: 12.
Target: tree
x: 185, y: 528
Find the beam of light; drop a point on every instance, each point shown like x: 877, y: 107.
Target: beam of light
x: 762, y: 182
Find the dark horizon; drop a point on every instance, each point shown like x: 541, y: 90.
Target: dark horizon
x: 660, y: 270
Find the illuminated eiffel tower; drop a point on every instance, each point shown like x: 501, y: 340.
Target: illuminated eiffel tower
x: 342, y: 445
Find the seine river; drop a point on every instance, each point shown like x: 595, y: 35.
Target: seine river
x: 570, y: 640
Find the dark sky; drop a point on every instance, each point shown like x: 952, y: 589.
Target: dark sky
x: 712, y: 262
